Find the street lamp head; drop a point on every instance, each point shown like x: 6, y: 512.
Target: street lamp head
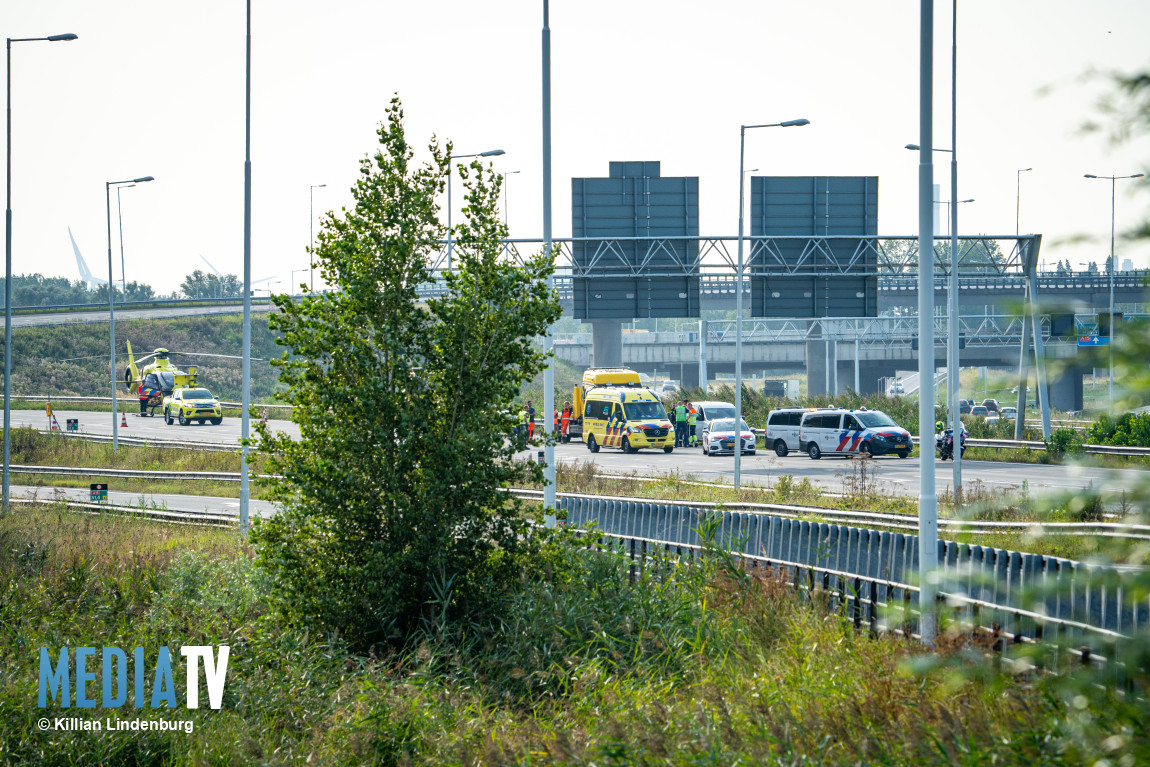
x: 142, y: 179
x: 970, y: 200
x: 1137, y: 175
x: 913, y: 147
x: 1089, y: 175
x: 61, y: 38
x: 794, y: 123
x: 1023, y: 170
x: 492, y: 153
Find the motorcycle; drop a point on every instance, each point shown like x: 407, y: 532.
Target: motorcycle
x: 944, y: 443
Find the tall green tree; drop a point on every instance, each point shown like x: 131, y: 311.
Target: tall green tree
x: 392, y: 497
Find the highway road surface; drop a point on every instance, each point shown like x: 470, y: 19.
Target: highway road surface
x: 91, y: 422
x: 895, y: 475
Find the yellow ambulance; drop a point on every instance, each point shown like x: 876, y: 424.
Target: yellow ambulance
x: 627, y: 418
x: 594, y: 378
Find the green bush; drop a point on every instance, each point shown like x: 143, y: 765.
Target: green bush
x: 394, y: 512
x: 1126, y: 430
x: 1064, y: 441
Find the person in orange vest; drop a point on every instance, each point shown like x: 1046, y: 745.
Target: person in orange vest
x: 565, y: 426
x: 530, y: 421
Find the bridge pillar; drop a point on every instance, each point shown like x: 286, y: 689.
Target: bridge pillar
x: 1066, y: 388
x: 817, y: 368
x: 606, y: 343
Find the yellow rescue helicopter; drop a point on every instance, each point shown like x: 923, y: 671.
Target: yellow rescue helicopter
x: 160, y: 377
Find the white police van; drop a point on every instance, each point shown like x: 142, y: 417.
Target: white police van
x: 849, y: 432
x: 782, y: 432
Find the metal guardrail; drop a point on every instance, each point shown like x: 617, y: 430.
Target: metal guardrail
x: 79, y: 471
x: 219, y: 447
x: 1080, y: 597
x: 190, y: 303
x: 864, y: 599
x: 1038, y: 445
x: 142, y: 512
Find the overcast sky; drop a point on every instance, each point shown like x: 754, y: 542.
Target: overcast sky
x: 158, y: 88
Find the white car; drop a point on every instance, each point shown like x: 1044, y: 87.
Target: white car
x: 669, y: 387
x: 896, y: 388
x: 1008, y: 413
x: 719, y: 437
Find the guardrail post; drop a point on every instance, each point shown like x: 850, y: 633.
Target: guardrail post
x: 857, y: 611
x: 873, y: 608
x: 631, y: 566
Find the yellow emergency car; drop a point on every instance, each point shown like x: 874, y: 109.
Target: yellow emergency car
x: 627, y: 418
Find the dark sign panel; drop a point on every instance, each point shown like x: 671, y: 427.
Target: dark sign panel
x: 830, y: 270
x: 655, y: 275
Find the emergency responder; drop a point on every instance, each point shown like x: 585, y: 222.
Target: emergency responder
x: 681, y: 424
x: 145, y: 393
x: 530, y: 421
x: 691, y: 416
x: 521, y: 427
x: 565, y: 423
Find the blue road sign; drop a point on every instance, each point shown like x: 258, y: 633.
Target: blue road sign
x: 1093, y: 341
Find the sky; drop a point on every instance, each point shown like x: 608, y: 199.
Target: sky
x: 158, y: 89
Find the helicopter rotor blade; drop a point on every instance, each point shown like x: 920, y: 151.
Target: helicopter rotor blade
x: 224, y: 356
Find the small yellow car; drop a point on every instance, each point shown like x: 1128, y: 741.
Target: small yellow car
x: 192, y: 404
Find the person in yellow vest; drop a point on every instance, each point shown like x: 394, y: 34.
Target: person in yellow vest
x: 681, y: 423
x: 691, y: 416
x: 521, y: 427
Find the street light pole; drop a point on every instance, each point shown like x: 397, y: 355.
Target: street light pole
x: 311, y: 234
x: 8, y: 264
x: 549, y: 516
x: 111, y: 302
x: 1018, y: 196
x: 952, y: 363
x: 245, y: 377
x: 120, y: 218
x: 451, y: 159
x: 927, y: 499
x: 1113, y: 268
x: 739, y: 294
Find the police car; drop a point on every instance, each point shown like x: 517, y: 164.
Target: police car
x: 719, y: 437
x: 849, y: 432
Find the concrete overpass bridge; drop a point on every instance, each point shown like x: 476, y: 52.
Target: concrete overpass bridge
x: 836, y: 353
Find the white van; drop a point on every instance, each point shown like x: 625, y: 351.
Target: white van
x: 782, y: 432
x: 707, y: 411
x: 847, y: 432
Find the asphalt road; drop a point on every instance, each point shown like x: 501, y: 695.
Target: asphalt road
x: 64, y: 318
x: 898, y: 476
x: 91, y: 422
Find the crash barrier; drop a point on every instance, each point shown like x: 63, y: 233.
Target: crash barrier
x: 156, y: 304
x: 1078, y: 599
x: 882, y: 604
x: 1010, y: 444
x: 217, y: 447
x: 173, y: 517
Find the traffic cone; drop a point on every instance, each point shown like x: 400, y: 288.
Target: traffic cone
x: 264, y: 416
x: 123, y: 419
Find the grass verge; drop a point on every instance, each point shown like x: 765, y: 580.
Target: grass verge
x: 694, y: 664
